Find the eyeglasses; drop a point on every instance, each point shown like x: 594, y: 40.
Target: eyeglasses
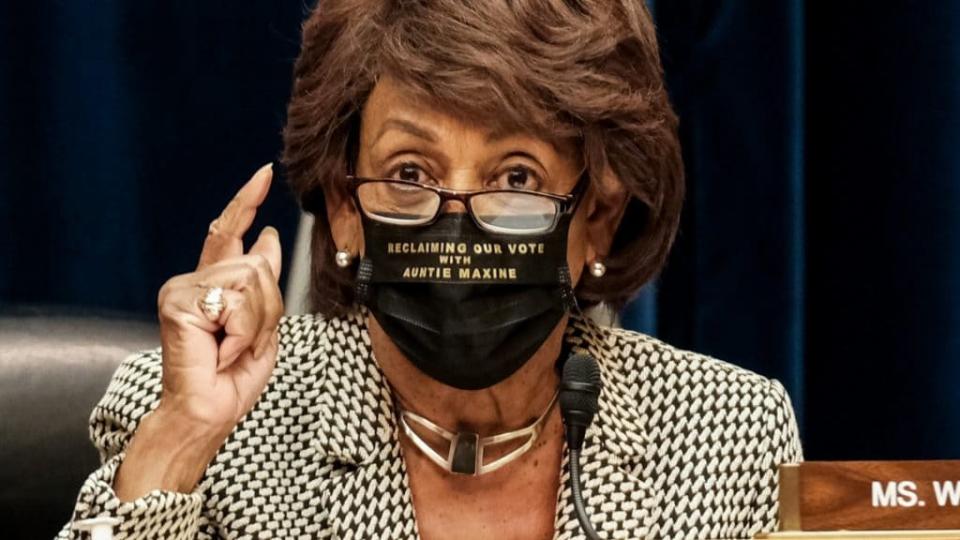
x: 503, y: 211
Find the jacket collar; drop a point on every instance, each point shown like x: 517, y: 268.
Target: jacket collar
x: 357, y: 418
x: 358, y: 435
x: 617, y: 494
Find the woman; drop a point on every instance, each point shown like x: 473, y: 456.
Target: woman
x: 478, y: 170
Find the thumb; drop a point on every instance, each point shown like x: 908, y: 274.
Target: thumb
x: 268, y: 245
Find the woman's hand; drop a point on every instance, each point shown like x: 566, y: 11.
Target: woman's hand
x: 213, y: 370
x: 206, y: 379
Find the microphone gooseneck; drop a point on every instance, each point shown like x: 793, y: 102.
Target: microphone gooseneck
x: 579, y: 388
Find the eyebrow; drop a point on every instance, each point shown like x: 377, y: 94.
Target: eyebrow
x: 505, y: 132
x: 407, y: 127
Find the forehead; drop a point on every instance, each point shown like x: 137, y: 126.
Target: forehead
x: 390, y: 99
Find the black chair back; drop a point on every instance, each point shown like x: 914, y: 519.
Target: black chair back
x: 55, y: 364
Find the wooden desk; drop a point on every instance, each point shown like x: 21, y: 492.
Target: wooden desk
x: 861, y: 535
x: 871, y: 496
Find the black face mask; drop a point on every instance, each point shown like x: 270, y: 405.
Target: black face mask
x: 466, y: 306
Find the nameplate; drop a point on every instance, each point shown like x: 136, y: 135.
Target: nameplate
x: 870, y: 495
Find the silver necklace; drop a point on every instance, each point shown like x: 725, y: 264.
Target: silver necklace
x: 465, y: 455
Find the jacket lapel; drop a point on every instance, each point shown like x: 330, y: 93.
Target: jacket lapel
x: 616, y: 495
x: 361, y: 475
x: 370, y: 500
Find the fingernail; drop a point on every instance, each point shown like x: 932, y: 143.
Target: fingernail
x: 264, y: 170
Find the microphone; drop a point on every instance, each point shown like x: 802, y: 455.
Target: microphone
x: 579, y: 387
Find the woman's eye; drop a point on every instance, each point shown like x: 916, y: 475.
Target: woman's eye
x: 518, y: 178
x: 410, y: 172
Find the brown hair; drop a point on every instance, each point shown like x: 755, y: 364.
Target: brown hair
x: 561, y: 68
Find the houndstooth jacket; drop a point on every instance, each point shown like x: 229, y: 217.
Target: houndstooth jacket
x: 683, y: 446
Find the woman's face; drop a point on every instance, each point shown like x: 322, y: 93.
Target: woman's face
x: 405, y: 139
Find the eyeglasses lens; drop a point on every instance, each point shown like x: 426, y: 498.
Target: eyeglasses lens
x: 499, y: 212
x: 400, y: 204
x: 514, y: 213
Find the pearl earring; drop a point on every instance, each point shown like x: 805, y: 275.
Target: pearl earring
x: 343, y: 258
x: 598, y: 269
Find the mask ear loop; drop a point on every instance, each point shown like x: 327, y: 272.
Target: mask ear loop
x: 569, y: 299
x: 567, y: 296
x: 351, y: 153
x: 361, y: 287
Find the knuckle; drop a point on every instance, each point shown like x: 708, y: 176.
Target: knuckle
x: 168, y: 313
x: 251, y: 275
x: 276, y: 305
x: 162, y: 293
x: 165, y: 289
x: 262, y: 263
x: 214, y: 228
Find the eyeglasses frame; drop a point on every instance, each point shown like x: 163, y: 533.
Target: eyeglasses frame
x: 566, y: 204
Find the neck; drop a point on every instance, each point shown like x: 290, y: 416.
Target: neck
x: 510, y: 404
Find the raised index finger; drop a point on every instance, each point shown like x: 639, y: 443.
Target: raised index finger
x: 225, y: 235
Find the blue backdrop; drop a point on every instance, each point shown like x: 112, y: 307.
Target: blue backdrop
x: 820, y: 242
x: 821, y: 239
x: 126, y: 126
